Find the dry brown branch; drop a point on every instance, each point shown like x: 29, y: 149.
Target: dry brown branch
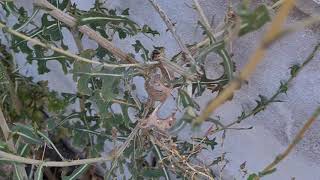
x: 71, y: 22
x: 295, y: 141
x: 269, y: 37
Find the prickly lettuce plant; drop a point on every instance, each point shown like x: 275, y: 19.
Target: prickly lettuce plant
x: 59, y: 135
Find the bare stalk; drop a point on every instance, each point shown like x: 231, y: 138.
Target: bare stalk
x: 254, y: 60
x: 295, y: 141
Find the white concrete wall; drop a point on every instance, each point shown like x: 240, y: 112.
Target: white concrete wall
x: 273, y: 128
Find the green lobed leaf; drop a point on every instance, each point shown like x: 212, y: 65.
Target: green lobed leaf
x: 82, y: 67
x: 39, y: 56
x: 147, y: 30
x: 138, y: 47
x: 101, y: 19
x: 251, y: 21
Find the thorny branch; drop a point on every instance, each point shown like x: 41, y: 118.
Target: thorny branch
x: 254, y: 60
x: 274, y: 96
x: 294, y: 142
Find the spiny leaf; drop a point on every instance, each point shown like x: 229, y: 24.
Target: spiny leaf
x: 294, y: 70
x: 283, y: 87
x: 212, y: 143
x: 109, y: 88
x: 261, y: 104
x: 63, y: 5
x: 101, y: 103
x: 144, y: 52
x: 9, y: 7
x: 50, y: 34
x: 97, y: 18
x: 147, y: 30
x: 80, y: 67
x: 42, y: 59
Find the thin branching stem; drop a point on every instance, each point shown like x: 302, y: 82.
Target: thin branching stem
x: 160, y: 156
x: 35, y: 12
x: 254, y: 60
x: 299, y: 136
x: 63, y: 52
x: 13, y: 158
x: 227, y: 62
x: 276, y: 94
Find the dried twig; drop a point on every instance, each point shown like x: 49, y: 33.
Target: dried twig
x: 271, y: 34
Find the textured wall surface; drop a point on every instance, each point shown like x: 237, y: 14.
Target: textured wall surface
x: 276, y: 126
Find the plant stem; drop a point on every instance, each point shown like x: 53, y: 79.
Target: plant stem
x: 277, y: 93
x: 254, y: 60
x: 227, y: 62
x: 35, y: 12
x: 295, y: 141
x: 72, y: 23
x: 63, y: 52
x: 160, y: 156
x: 13, y: 158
